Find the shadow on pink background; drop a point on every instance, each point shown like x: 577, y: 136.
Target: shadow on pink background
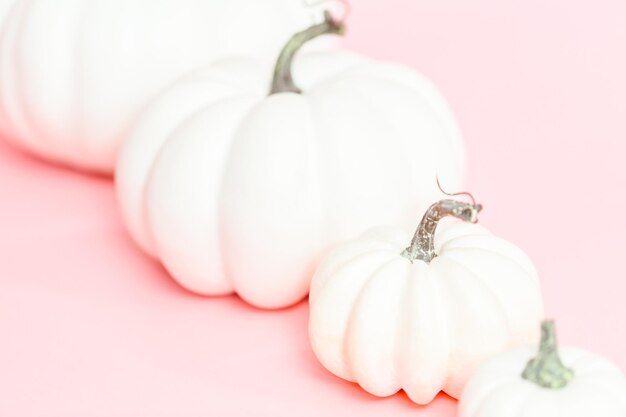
x: 90, y: 327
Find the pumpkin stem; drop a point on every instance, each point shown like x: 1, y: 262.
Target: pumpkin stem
x: 283, y: 81
x: 546, y: 369
x: 423, y: 244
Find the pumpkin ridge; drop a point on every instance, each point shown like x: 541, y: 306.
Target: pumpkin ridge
x: 425, y: 82
x: 327, y: 271
x: 216, y: 77
x: 221, y: 232
x: 335, y: 77
x: 477, y: 278
x: 321, y: 293
x: 357, y: 302
x: 452, y: 239
x: 496, y: 239
x: 497, y: 302
x: 140, y: 179
x: 404, y: 321
x: 401, y: 144
x: 445, y: 308
x: 148, y: 228
x: 265, y: 117
x: 445, y: 305
x: 449, y: 232
x: 438, y: 109
x: 411, y: 280
x: 494, y: 253
x: 485, y: 286
x: 328, y: 180
x: 344, y: 264
x: 450, y: 337
x: 368, y: 106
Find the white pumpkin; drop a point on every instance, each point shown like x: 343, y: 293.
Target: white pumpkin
x: 237, y: 191
x: 75, y: 73
x: 422, y: 319
x: 572, y: 383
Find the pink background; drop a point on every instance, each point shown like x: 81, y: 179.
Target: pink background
x: 90, y: 327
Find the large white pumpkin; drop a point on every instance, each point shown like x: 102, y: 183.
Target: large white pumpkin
x: 565, y: 382
x: 237, y: 191
x: 423, y: 318
x: 75, y: 73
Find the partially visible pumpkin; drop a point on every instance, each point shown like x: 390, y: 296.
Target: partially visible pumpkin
x: 552, y: 382
x: 74, y: 74
x: 423, y: 318
x: 237, y: 191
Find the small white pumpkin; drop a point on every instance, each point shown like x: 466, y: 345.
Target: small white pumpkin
x: 572, y: 383
x: 74, y: 74
x: 237, y: 191
x: 424, y: 318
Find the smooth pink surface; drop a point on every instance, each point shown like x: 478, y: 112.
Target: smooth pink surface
x: 90, y: 327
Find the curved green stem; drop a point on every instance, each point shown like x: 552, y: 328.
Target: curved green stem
x: 423, y: 244
x: 546, y: 369
x: 283, y: 80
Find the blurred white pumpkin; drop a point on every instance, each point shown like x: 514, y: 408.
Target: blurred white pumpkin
x: 75, y: 73
x: 565, y: 382
x: 422, y: 319
x: 237, y: 191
